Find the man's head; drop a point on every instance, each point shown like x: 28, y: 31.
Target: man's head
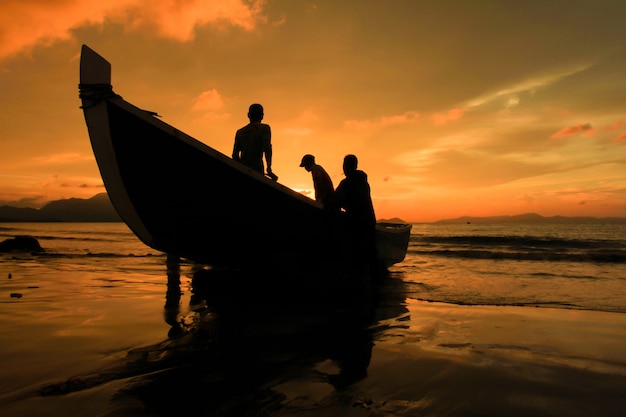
x: 307, y: 161
x: 350, y: 163
x: 255, y: 112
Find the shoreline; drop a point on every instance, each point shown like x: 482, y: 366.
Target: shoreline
x: 442, y: 359
x: 423, y: 358
x: 131, y: 335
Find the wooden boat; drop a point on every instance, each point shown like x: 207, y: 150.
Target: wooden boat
x: 392, y: 241
x: 184, y: 198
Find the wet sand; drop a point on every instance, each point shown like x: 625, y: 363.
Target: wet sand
x: 202, y: 349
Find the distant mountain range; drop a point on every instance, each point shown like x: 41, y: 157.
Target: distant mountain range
x: 95, y: 209
x: 99, y: 209
x: 534, y: 218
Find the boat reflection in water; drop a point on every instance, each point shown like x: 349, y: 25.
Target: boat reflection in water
x: 242, y: 346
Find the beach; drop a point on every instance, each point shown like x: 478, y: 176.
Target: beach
x: 104, y: 326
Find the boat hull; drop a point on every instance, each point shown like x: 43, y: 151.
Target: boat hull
x: 392, y: 241
x: 184, y: 198
x: 189, y: 203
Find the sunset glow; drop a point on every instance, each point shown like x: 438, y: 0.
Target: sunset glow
x: 453, y: 108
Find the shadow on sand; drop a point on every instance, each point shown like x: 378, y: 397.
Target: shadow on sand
x: 241, y: 341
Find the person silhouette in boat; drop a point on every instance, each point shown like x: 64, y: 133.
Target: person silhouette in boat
x: 253, y: 141
x: 353, y: 196
x: 322, y: 183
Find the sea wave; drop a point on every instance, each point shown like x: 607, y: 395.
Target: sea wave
x: 527, y: 248
x: 99, y: 255
x: 519, y: 241
x: 591, y: 256
x: 538, y: 304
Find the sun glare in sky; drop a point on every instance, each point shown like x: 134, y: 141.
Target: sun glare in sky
x: 454, y: 108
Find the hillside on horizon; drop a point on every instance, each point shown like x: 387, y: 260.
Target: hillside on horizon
x: 533, y: 218
x: 95, y: 209
x: 100, y: 209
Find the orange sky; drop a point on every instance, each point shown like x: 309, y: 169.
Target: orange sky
x: 453, y: 107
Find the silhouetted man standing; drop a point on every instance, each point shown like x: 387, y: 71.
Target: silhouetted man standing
x: 253, y: 141
x: 353, y: 196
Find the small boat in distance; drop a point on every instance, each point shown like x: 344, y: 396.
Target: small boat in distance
x: 184, y: 198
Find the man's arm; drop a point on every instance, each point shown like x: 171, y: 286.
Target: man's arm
x: 236, y: 149
x: 268, y: 149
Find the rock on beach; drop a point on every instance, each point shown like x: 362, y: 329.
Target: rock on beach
x: 21, y: 244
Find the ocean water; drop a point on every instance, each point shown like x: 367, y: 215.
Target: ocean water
x: 101, y: 325
x: 574, y: 266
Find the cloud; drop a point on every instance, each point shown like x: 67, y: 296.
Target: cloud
x: 177, y: 20
x: 307, y: 116
x: 512, y: 102
x: 573, y: 131
x: 61, y: 159
x: 616, y: 125
x: 445, y: 118
x: 24, y: 24
x: 280, y: 21
x: 409, y: 117
x: 301, y: 124
x: 528, y: 85
x: 406, y: 118
x: 527, y: 198
x: 297, y: 131
x: 99, y: 186
x: 35, y: 201
x: 208, y: 101
x: 307, y: 192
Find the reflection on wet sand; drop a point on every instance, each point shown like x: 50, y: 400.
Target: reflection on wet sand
x: 244, y: 341
x: 171, y: 310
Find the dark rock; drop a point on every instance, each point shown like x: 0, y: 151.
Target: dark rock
x: 21, y: 244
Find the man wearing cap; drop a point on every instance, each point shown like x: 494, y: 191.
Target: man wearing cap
x: 322, y: 183
x: 253, y: 141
